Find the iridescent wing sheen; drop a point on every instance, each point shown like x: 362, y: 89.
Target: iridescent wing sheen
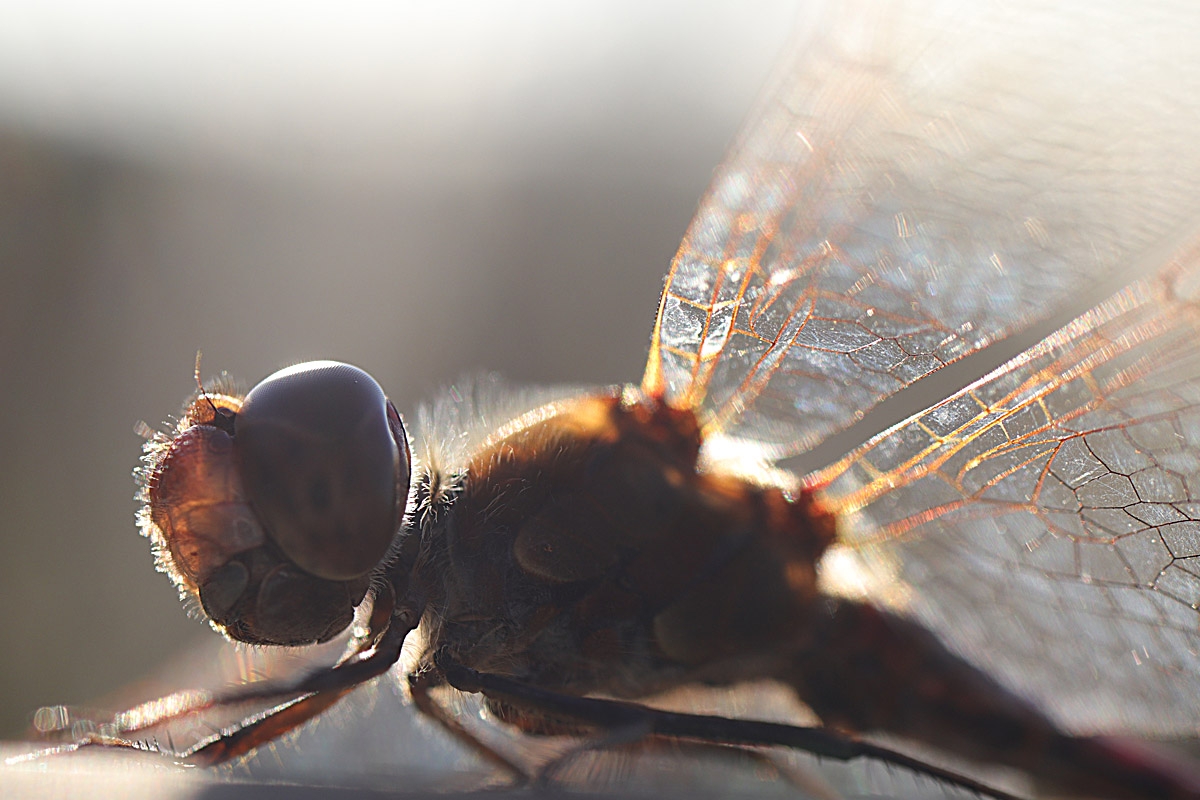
x: 918, y: 183
x: 1046, y: 520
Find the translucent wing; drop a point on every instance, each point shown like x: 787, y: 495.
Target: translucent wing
x: 1046, y: 520
x: 920, y: 182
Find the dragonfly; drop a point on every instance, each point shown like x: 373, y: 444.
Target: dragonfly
x: 1010, y: 575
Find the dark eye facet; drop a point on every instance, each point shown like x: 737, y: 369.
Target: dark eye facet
x: 325, y: 467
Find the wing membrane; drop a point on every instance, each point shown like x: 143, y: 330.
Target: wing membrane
x: 916, y: 185
x: 1046, y: 520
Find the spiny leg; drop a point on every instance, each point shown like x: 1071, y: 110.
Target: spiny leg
x: 421, y: 684
x: 633, y: 738
x: 305, y: 698
x: 820, y: 742
x: 323, y: 689
x: 637, y: 739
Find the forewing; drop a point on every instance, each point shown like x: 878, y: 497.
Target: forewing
x: 919, y: 181
x: 1046, y: 520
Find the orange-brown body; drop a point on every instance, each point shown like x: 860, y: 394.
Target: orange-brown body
x: 586, y: 553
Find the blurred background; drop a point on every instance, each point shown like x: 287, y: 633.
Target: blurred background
x: 422, y: 189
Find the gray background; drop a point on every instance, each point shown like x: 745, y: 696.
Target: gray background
x: 424, y: 190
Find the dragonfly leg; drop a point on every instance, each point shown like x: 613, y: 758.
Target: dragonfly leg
x: 615, y: 714
x: 247, y: 736
x: 638, y: 739
x: 320, y: 690
x: 421, y: 684
x: 301, y: 700
x: 634, y: 737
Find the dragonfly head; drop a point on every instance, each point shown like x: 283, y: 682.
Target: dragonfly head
x: 276, y: 510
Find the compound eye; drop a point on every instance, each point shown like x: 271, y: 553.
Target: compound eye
x: 325, y: 464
